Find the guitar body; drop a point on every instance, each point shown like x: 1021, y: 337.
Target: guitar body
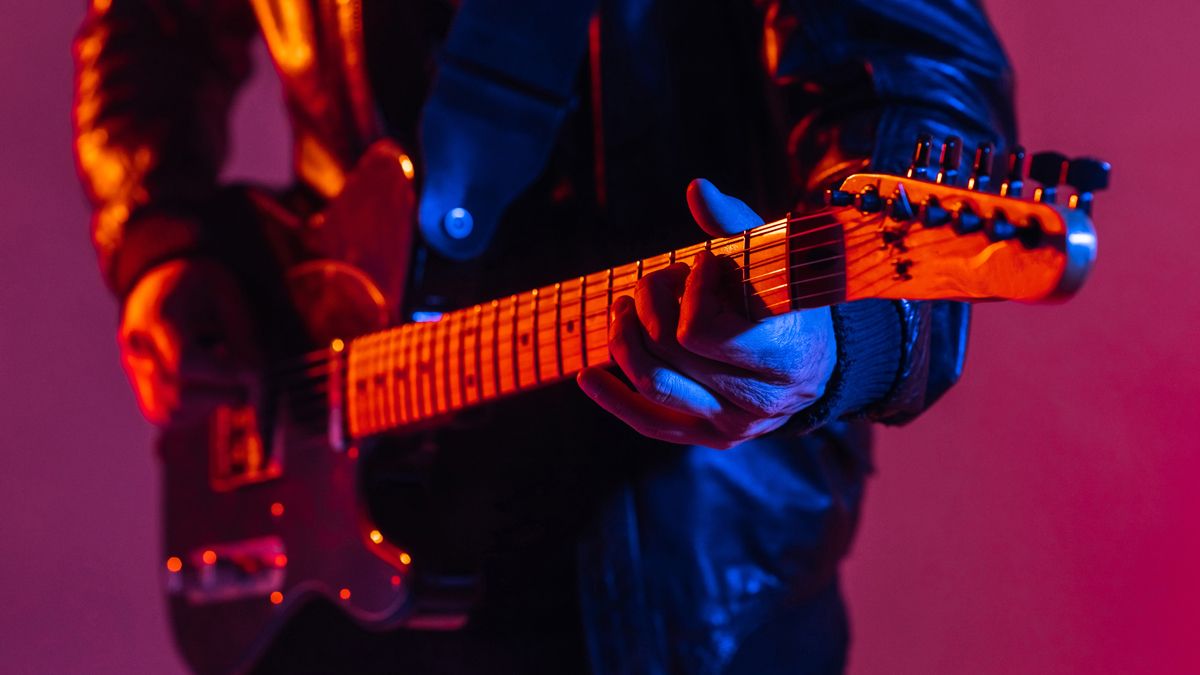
x: 262, y: 512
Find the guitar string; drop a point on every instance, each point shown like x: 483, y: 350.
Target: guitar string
x: 322, y: 355
x: 315, y: 369
x: 379, y: 343
x: 386, y: 345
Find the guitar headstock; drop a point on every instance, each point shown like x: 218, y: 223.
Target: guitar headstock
x: 922, y: 236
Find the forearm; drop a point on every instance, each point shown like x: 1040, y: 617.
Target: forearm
x: 153, y: 84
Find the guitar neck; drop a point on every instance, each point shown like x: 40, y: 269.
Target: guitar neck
x: 423, y: 370
x: 926, y: 241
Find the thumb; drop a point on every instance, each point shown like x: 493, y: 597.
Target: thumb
x: 717, y: 213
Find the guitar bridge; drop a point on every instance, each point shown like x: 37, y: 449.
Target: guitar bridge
x: 229, y: 571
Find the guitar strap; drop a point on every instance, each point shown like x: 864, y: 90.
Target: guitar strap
x: 505, y: 82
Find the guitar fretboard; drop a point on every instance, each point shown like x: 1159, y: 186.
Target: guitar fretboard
x: 424, y: 370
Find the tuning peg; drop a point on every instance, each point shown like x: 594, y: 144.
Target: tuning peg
x: 933, y: 214
x: 1049, y: 169
x: 838, y: 198
x: 967, y: 221
x: 999, y: 228
x: 1087, y: 175
x: 869, y: 201
x: 921, y: 154
x: 951, y: 160
x: 1014, y: 174
x: 981, y: 168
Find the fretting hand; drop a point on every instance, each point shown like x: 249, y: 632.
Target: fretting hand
x: 705, y: 373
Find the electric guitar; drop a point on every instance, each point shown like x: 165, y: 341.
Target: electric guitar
x: 263, y: 511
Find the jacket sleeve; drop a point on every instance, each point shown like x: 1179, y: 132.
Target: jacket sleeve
x: 860, y: 79
x: 154, y: 80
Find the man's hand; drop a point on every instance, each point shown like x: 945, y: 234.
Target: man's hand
x: 705, y: 373
x: 187, y: 342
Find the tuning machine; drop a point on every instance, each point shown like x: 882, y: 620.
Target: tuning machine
x: 1049, y: 169
x: 1087, y: 175
x: 1014, y: 172
x: 981, y: 168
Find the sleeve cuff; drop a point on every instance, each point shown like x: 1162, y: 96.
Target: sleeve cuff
x: 869, y: 346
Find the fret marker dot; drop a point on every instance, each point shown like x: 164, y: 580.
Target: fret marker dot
x: 524, y: 339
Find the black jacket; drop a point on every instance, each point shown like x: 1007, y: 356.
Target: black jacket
x: 697, y: 560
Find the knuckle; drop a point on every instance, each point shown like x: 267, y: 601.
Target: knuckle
x: 661, y: 386
x: 762, y: 401
x: 690, y: 337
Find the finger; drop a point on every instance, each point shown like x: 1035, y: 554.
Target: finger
x: 643, y: 416
x: 717, y: 213
x: 653, y: 378
x: 710, y: 318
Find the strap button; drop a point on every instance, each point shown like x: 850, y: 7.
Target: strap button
x: 458, y: 223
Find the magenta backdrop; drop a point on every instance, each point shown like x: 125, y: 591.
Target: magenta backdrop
x: 1041, y: 519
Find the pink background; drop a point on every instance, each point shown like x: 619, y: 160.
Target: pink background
x: 1041, y: 519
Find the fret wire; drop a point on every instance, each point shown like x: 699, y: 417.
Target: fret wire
x: 479, y: 352
x: 414, y: 370
x: 534, y: 334
x: 610, y: 291
x: 496, y: 347
x: 399, y: 369
x: 516, y: 366
x: 558, y: 328
x: 445, y: 362
x: 460, y: 350
x: 746, y: 271
x: 583, y: 329
x: 410, y: 373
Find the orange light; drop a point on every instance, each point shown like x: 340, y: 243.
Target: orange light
x: 280, y: 560
x: 277, y: 509
x: 405, y: 558
x: 344, y: 594
x: 276, y: 597
x: 376, y: 536
x: 395, y: 580
x: 174, y: 564
x: 406, y: 166
x: 337, y: 345
x: 209, y: 557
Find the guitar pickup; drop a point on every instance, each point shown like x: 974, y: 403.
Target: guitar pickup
x: 230, y: 571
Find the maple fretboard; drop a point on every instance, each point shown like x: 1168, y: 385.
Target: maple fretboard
x: 423, y: 370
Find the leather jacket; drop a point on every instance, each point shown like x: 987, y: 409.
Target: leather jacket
x: 697, y: 564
